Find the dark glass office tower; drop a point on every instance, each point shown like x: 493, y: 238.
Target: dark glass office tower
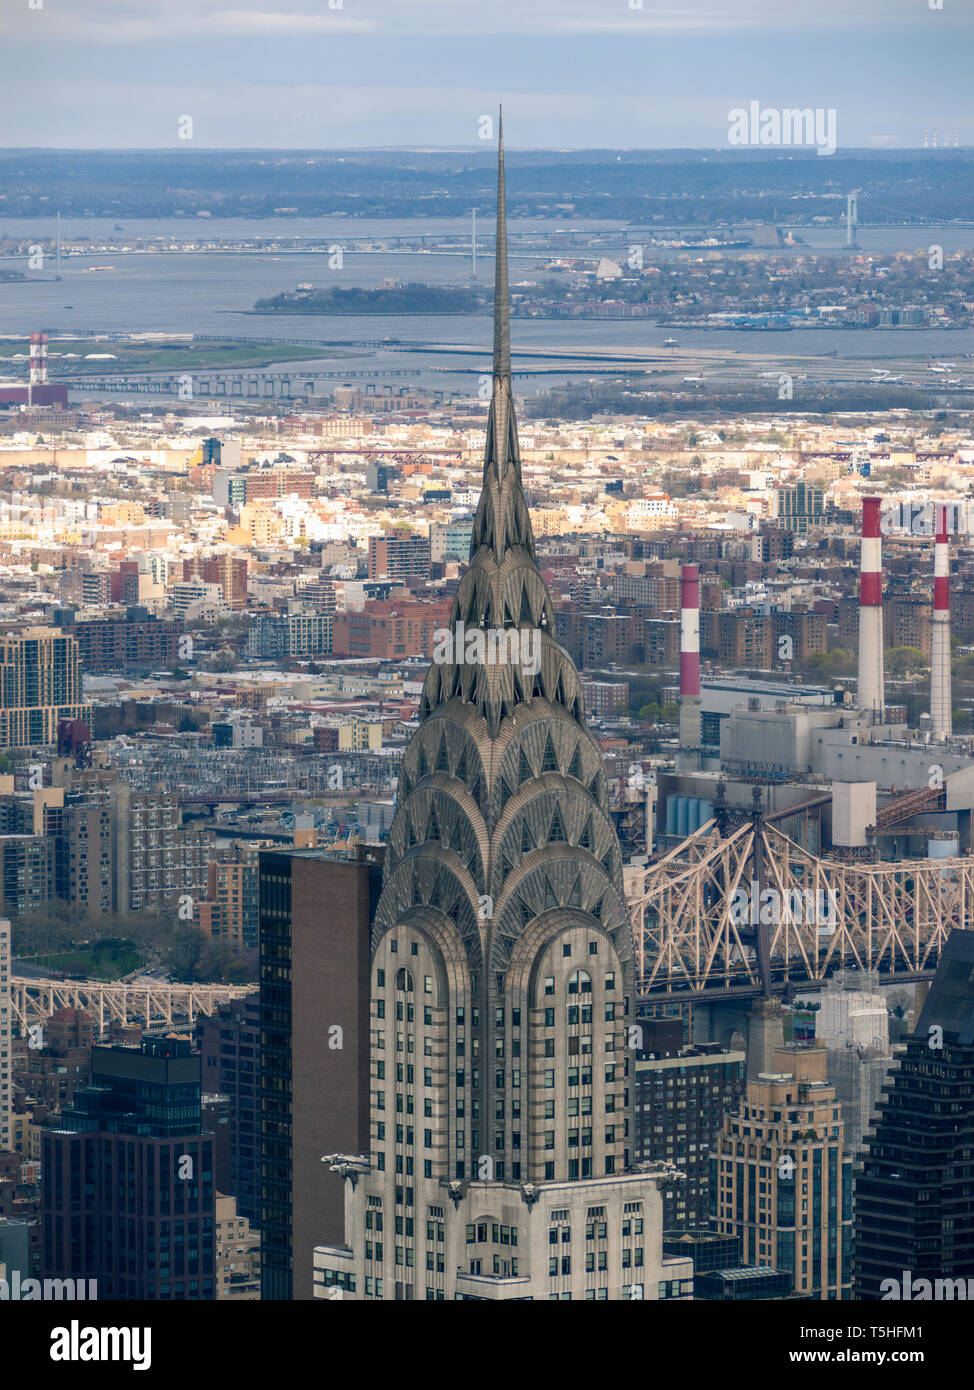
x: 229, y: 1044
x: 128, y: 1178
x: 316, y: 910
x: 682, y: 1093
x: 914, y: 1203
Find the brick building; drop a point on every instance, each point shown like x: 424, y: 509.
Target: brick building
x: 605, y: 697
x: 124, y: 640
x: 231, y: 899
x: 229, y: 571
x: 315, y: 916
x: 782, y: 1184
x: 388, y: 629
x: 157, y: 858
x: 907, y: 622
x: 399, y: 557
x: 807, y: 630
x: 40, y: 684
x: 682, y: 1094
x: 658, y: 594
x: 58, y: 1068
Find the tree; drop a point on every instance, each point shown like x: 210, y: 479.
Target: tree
x: 828, y: 665
x: 905, y: 661
x: 221, y: 963
x: 184, y: 955
x: 224, y: 660
x: 149, y: 932
x: 44, y: 930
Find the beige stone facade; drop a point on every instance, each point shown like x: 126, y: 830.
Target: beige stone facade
x: 782, y: 1184
x: 237, y: 1254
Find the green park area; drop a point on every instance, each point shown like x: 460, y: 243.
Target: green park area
x: 102, y: 961
x: 53, y: 939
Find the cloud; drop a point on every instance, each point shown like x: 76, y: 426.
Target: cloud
x: 276, y: 115
x: 136, y: 22
x: 297, y: 73
x: 114, y: 22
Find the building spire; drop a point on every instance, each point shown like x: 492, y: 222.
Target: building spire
x: 502, y: 588
x: 502, y: 308
x: 502, y: 517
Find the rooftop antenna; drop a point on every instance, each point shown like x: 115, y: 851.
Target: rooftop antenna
x: 57, y: 273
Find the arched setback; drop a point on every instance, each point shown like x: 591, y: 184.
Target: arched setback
x: 420, y: 1049
x: 441, y: 811
x: 549, y: 811
x: 573, y: 990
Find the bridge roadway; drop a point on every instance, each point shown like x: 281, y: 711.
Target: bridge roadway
x: 142, y: 1000
x: 261, y: 385
x: 803, y: 917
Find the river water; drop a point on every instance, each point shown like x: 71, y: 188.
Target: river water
x: 207, y: 292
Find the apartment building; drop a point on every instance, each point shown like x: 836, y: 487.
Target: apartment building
x: 40, y: 684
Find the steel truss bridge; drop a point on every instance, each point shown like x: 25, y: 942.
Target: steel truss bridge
x: 141, y: 1001
x: 398, y: 456
x: 691, y: 943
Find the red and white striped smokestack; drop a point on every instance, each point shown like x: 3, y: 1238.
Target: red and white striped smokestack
x: 690, y: 657
x: 940, y: 700
x: 872, y: 695
x: 38, y: 359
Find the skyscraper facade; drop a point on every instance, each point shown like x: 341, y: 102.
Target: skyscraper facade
x: 315, y: 913
x: 129, y: 1198
x: 6, y: 1040
x: 229, y: 1045
x: 914, y: 1204
x: 682, y: 1092
x: 781, y: 1183
x: 501, y: 971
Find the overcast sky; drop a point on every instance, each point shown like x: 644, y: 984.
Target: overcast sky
x: 571, y: 73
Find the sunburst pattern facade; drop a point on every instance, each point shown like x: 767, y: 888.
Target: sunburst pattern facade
x: 502, y: 963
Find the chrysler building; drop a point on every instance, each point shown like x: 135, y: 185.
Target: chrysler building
x: 502, y: 983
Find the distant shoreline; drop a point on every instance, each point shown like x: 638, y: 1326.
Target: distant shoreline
x: 359, y: 313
